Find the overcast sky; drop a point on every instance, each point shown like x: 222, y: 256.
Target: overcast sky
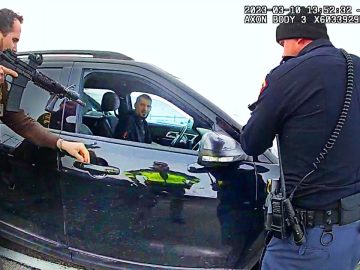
x: 204, y: 42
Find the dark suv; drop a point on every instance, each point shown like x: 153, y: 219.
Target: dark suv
x: 174, y: 204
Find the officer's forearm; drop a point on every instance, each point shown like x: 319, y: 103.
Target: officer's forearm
x: 251, y: 144
x: 30, y: 129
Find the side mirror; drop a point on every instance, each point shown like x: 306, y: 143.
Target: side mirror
x: 217, y: 149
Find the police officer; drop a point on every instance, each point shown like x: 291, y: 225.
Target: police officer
x: 10, y: 30
x: 301, y: 101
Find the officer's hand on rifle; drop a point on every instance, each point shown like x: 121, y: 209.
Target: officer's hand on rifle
x: 6, y: 71
x: 75, y: 149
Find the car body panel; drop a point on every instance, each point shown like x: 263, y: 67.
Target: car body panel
x: 162, y: 210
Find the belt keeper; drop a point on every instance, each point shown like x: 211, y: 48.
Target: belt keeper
x: 328, y: 222
x: 310, y: 218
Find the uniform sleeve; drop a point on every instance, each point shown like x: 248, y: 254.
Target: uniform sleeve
x: 260, y: 130
x: 28, y: 127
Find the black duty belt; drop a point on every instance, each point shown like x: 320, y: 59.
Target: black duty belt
x: 348, y: 212
x: 311, y: 218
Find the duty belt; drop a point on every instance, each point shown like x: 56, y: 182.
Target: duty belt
x: 311, y: 218
x: 348, y: 212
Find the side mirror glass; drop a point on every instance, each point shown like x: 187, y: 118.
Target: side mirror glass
x: 218, y: 149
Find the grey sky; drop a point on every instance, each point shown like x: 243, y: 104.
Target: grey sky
x: 203, y: 42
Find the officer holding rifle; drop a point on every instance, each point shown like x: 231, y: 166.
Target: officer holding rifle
x: 312, y: 101
x: 10, y: 31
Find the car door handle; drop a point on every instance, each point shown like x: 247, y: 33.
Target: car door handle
x: 92, y: 145
x: 97, y: 170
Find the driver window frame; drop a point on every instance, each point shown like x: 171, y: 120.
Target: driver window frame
x: 159, y: 90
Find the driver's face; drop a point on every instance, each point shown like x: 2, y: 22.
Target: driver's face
x: 143, y: 107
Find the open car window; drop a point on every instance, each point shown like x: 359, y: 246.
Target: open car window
x: 164, y: 112
x: 93, y: 99
x: 168, y: 123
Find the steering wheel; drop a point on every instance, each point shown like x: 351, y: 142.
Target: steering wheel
x: 178, y: 137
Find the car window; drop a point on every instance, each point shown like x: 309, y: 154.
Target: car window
x: 35, y: 98
x: 166, y: 122
x: 34, y: 103
x: 93, y: 99
x: 164, y: 112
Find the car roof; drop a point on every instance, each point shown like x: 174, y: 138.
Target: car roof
x: 76, y: 55
x: 90, y: 56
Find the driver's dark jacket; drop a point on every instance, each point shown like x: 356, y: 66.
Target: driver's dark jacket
x: 135, y: 129
x: 302, y: 103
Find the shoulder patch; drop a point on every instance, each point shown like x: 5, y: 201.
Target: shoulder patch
x: 264, y: 86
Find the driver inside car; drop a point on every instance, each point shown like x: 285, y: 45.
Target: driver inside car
x: 136, y: 128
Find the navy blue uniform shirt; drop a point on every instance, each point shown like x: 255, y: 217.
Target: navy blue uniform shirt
x: 302, y: 103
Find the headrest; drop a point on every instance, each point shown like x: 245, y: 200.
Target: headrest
x: 110, y: 102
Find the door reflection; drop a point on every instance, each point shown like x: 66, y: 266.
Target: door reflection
x: 30, y: 195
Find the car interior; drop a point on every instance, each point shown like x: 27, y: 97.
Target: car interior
x: 110, y: 99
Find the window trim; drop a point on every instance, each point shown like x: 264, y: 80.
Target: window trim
x: 130, y: 143
x: 154, y: 85
x: 86, y: 71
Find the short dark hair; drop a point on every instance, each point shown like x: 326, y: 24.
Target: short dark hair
x: 144, y: 96
x: 7, y: 18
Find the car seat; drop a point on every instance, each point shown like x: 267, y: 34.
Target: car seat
x: 106, y: 124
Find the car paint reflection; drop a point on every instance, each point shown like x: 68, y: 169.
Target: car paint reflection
x: 145, y: 211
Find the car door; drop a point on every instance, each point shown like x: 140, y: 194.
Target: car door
x: 31, y: 207
x: 151, y: 205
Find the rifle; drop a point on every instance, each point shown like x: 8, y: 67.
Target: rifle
x: 27, y: 72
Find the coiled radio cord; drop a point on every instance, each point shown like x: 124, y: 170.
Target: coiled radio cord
x: 340, y: 123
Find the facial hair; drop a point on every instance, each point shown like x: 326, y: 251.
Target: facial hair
x: 143, y: 117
